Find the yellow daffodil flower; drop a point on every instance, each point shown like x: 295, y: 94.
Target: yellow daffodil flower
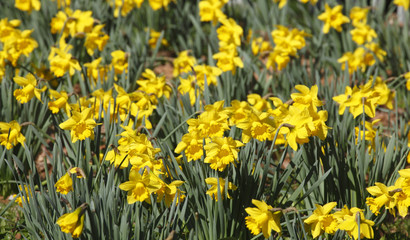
x: 403, y: 3
x: 119, y: 61
x: 96, y: 39
x: 352, y: 222
x: 262, y: 219
x: 60, y: 101
x: 81, y: 125
x: 333, y: 17
x: 61, y: 61
x: 139, y: 187
x: 72, y: 223
x: 230, y: 32
x: 28, y: 5
x: 363, y: 33
x: 213, y: 190
x: 29, y: 89
x: 64, y: 184
x: 211, y: 11
x: 321, y: 220
x: 221, y: 152
x: 183, y: 63
x: 358, y: 15
x: 10, y: 134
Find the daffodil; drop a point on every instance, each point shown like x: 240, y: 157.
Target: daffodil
x: 169, y: 192
x: 62, y: 3
x: 407, y: 77
x: 228, y: 59
x: 139, y: 187
x: 209, y: 72
x: 260, y: 126
x: 192, y: 145
x: 358, y: 15
x: 333, y: 17
x: 312, y: 2
x: 307, y: 98
x: 288, y: 40
x: 260, y: 46
x: 282, y: 3
x: 16, y: 44
x: 257, y: 102
x: 28, y: 5
x: 96, y: 71
x: 61, y: 61
x: 81, y: 125
x: 298, y: 125
x: 376, y: 50
x: 363, y: 33
x: 384, y: 197
x: 60, y: 101
x: 10, y: 134
x: 212, y: 122
x: 352, y: 223
x: 119, y: 61
x: 96, y: 39
x: 29, y: 89
x: 263, y: 219
x: 154, y: 37
x: 158, y: 4
x: 64, y: 184
x: 73, y: 222
x: 238, y: 112
x: 190, y: 86
x: 321, y: 220
x: 403, y: 3
x: 183, y: 63
x: 211, y: 11
x: 213, y: 191
x: 152, y: 84
x: 221, y: 152
x: 23, y: 198
x: 230, y: 32
x: 278, y: 59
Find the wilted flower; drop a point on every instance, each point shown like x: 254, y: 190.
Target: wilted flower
x: 64, y: 184
x: 73, y: 222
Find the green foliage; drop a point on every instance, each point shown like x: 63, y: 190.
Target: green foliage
x: 338, y: 168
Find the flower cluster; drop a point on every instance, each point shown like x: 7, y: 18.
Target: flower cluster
x: 124, y: 7
x: 134, y: 148
x: 211, y: 10
x: 141, y: 186
x: 364, y: 55
x: 365, y: 98
x: 287, y: 42
x: 194, y: 83
x: 229, y: 35
x: 391, y: 197
x: 350, y: 220
x: 75, y: 24
x: 147, y: 171
x: 10, y: 134
x: 14, y: 42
